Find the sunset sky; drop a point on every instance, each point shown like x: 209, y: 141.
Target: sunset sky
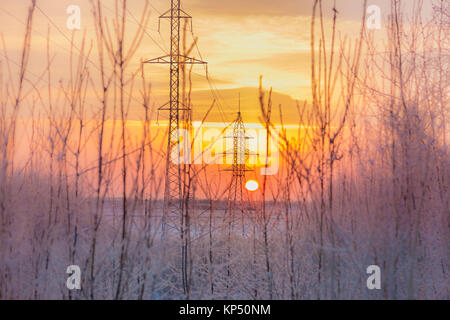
x: 241, y: 40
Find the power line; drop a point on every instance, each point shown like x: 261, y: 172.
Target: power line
x: 148, y: 34
x: 213, y: 89
x: 80, y: 52
x: 159, y: 12
x: 215, y: 92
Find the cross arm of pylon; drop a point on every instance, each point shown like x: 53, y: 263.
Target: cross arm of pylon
x: 166, y: 106
x: 168, y: 15
x: 189, y: 60
x: 231, y: 170
x: 227, y: 153
x: 246, y: 137
x: 180, y: 59
x: 182, y: 15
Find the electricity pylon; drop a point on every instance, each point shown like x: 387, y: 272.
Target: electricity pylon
x: 173, y: 191
x: 236, y: 199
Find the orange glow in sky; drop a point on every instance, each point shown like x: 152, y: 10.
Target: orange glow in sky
x: 239, y: 40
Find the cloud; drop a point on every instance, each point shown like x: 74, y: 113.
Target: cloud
x: 348, y: 9
x: 251, y: 7
x: 291, y: 62
x: 226, y: 107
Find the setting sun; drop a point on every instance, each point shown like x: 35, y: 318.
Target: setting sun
x: 252, y: 185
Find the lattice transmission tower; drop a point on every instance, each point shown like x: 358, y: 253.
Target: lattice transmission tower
x: 237, y: 201
x: 236, y: 195
x: 173, y: 191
